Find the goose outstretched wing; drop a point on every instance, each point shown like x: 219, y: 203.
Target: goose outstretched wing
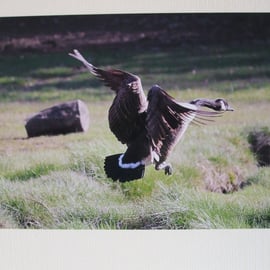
x: 127, y: 112
x: 167, y: 120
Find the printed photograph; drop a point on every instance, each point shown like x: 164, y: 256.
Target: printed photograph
x: 135, y: 121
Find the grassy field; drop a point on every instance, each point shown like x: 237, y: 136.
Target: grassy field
x: 58, y: 182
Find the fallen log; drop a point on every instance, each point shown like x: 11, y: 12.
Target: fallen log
x: 63, y: 118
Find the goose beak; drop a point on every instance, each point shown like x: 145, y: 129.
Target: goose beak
x: 230, y: 109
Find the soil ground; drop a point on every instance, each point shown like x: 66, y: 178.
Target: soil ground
x: 57, y: 33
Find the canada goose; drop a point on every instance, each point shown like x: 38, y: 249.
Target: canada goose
x: 150, y: 127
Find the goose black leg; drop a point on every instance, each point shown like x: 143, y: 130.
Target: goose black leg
x: 164, y: 166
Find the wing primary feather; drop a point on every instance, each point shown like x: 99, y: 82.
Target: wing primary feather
x: 201, y: 117
x: 117, y: 80
x: 77, y: 55
x: 211, y: 114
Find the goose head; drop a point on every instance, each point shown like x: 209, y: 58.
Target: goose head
x: 221, y: 104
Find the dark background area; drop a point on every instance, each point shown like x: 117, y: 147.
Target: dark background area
x: 54, y: 33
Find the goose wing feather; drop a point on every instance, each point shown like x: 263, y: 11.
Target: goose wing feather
x: 167, y: 120
x: 127, y: 112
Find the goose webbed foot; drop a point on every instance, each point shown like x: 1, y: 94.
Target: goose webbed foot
x: 166, y: 167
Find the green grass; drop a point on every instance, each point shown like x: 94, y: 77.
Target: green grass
x: 59, y: 181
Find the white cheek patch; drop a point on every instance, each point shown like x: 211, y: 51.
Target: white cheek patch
x: 223, y: 107
x: 128, y: 165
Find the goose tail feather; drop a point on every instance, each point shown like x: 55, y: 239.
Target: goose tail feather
x: 115, y: 172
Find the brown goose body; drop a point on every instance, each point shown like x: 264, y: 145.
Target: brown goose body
x: 150, y: 127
